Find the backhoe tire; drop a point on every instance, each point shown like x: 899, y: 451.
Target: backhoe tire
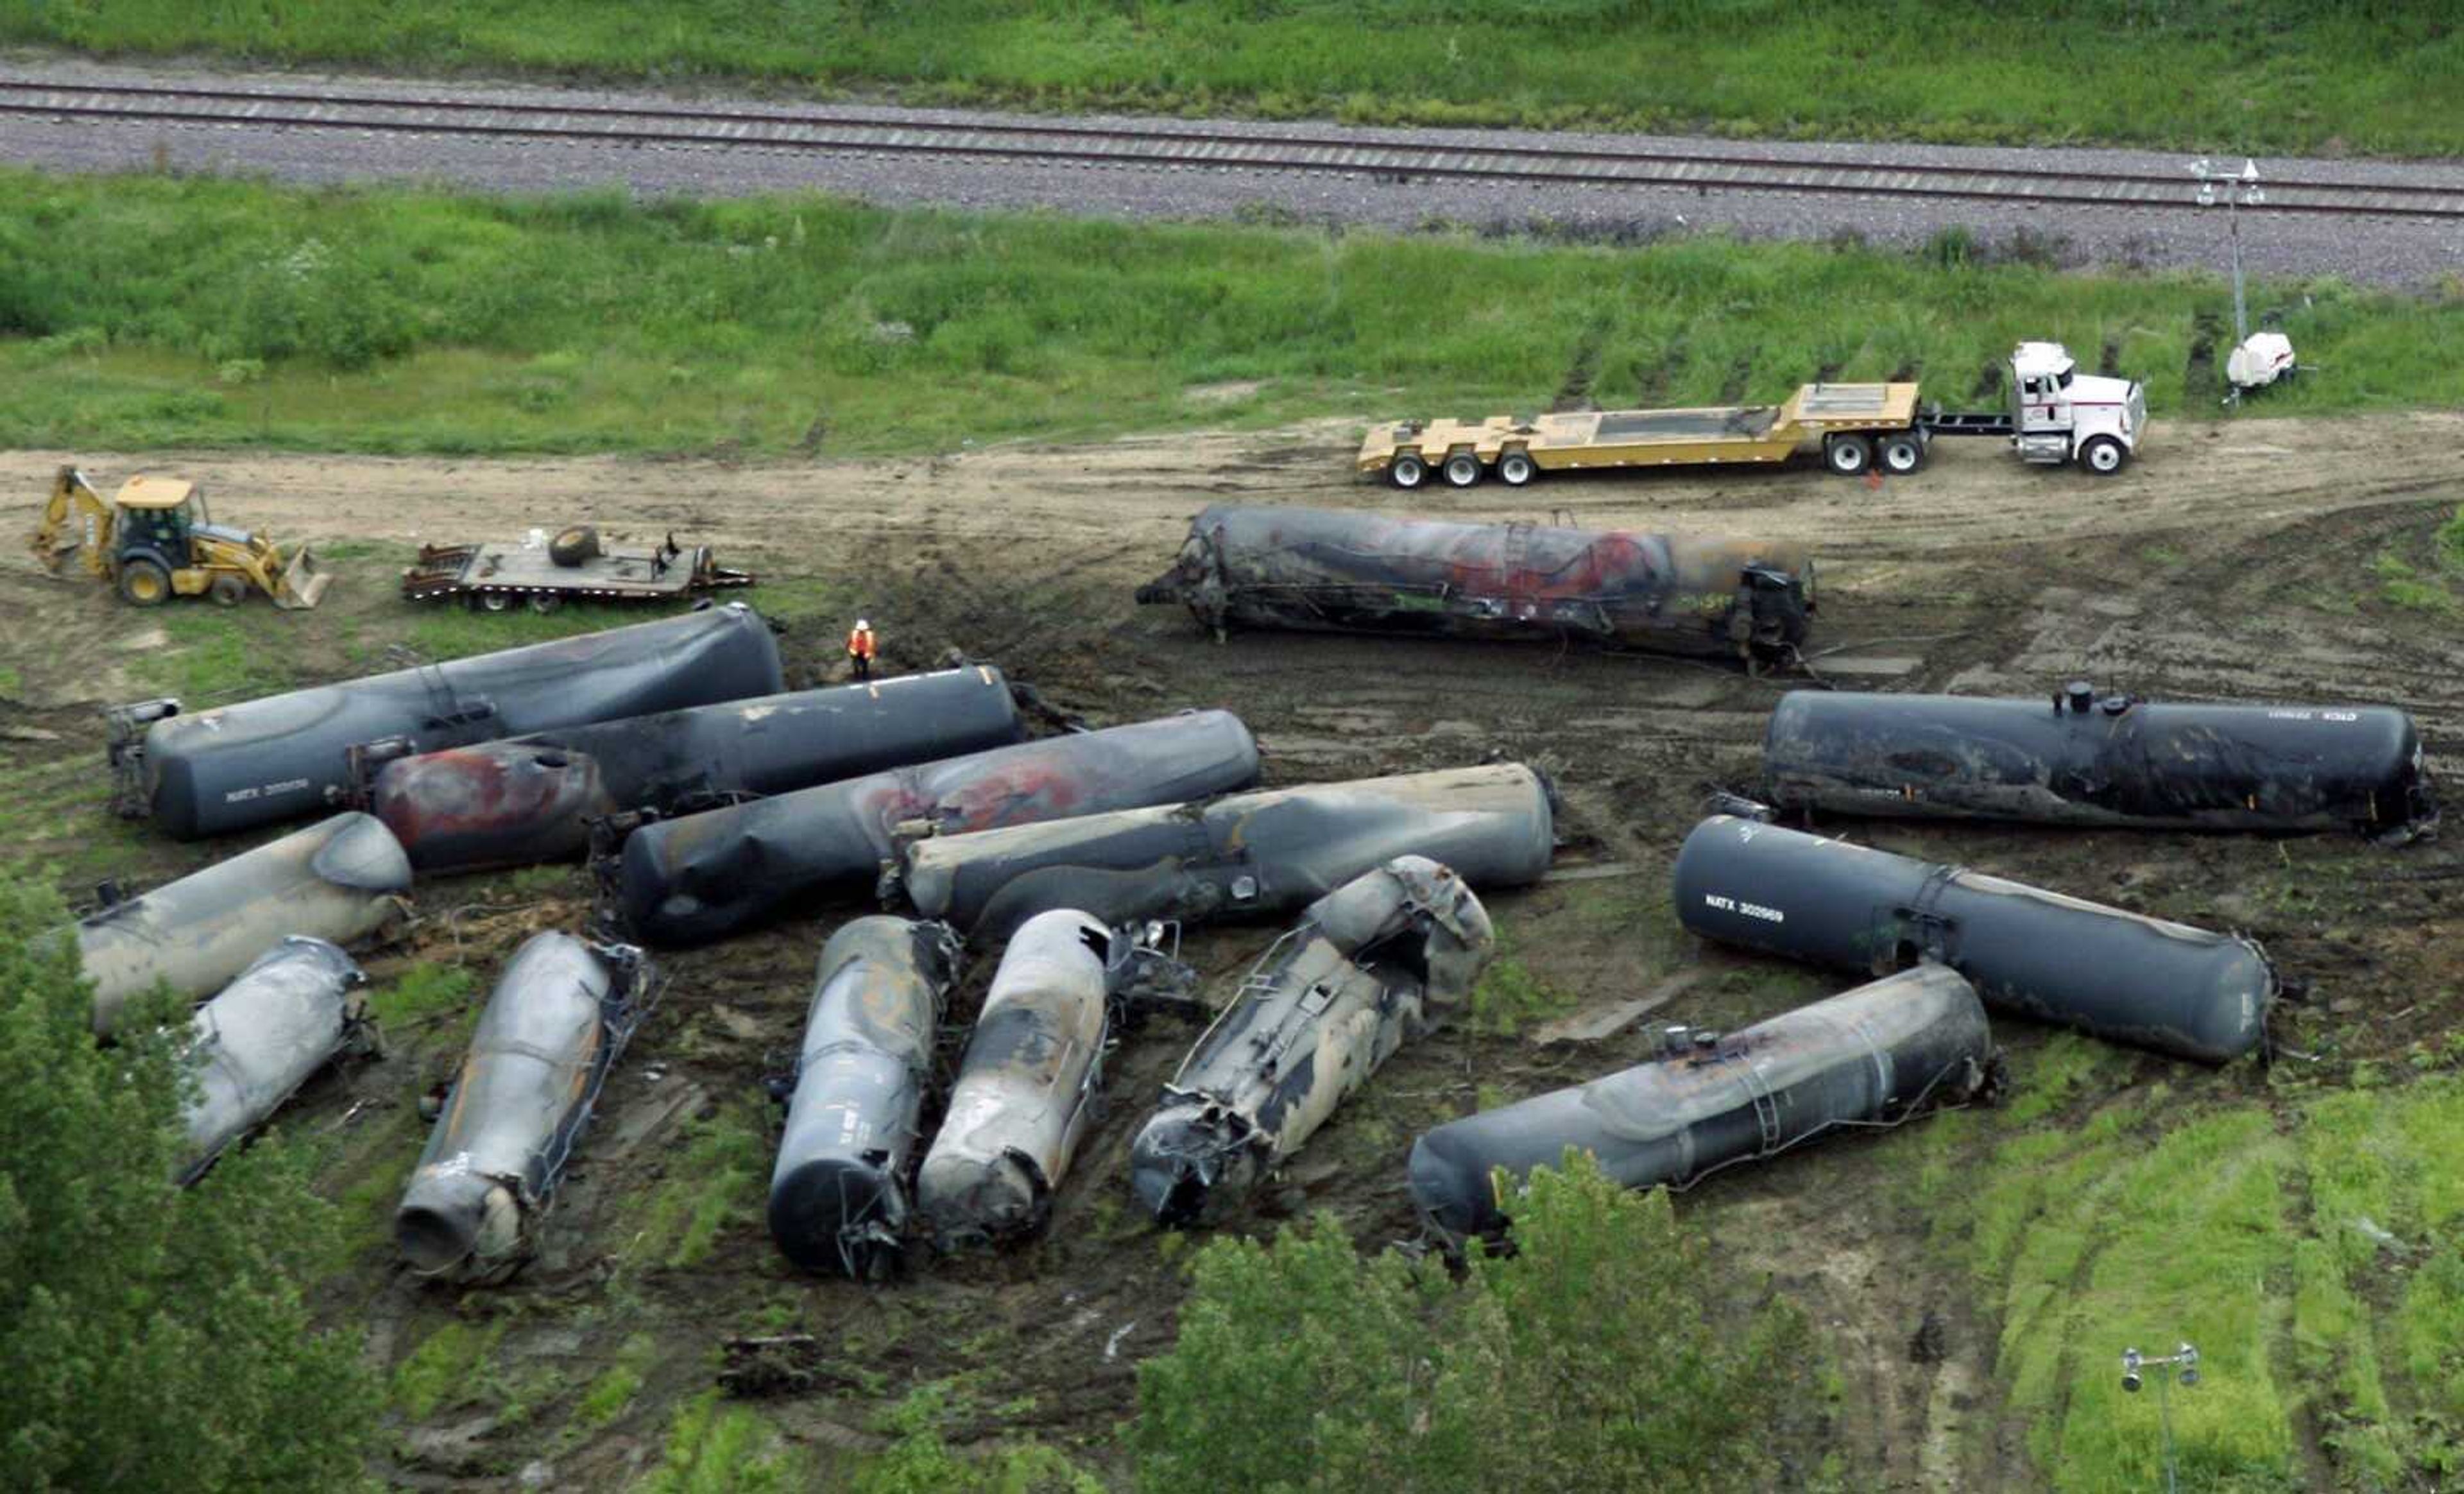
x: 574, y: 545
x: 228, y: 591
x: 145, y: 583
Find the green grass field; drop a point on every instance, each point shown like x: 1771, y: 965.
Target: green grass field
x: 147, y: 311
x: 2232, y: 74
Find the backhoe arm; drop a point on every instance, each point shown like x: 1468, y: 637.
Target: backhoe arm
x: 74, y: 520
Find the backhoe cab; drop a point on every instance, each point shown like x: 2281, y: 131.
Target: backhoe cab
x: 155, y: 540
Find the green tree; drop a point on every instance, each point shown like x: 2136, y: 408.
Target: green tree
x: 1586, y: 1359
x: 151, y: 1337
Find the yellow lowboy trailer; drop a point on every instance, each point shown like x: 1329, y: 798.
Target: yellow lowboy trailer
x: 1854, y: 425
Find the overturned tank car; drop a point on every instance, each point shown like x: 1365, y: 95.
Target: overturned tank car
x: 1028, y: 1083
x: 344, y: 880
x: 838, y: 1193
x: 2114, y: 974
x: 1328, y: 1003
x: 1253, y: 854
x: 2104, y: 760
x: 1350, y: 571
x: 704, y: 875
x: 290, y: 1013
x: 531, y: 799
x: 1872, y: 1056
x: 281, y: 756
x: 560, y: 1014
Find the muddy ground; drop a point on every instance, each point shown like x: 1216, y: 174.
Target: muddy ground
x: 2236, y: 559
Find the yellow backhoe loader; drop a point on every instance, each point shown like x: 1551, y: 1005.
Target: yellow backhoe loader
x: 154, y: 542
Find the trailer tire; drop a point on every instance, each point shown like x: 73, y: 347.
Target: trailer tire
x: 543, y: 603
x: 2103, y: 455
x: 1514, y: 468
x: 1847, y: 455
x: 1407, y: 470
x: 496, y: 602
x: 1462, y: 470
x: 227, y: 591
x: 1903, y: 453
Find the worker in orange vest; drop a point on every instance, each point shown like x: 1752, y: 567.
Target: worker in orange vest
x: 860, y: 648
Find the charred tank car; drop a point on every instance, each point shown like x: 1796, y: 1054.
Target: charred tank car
x: 705, y: 875
x: 559, y: 1017
x: 1350, y: 571
x: 2116, y: 975
x: 531, y: 799
x: 2109, y: 761
x: 1328, y: 1003
x: 838, y: 1195
x: 286, y: 756
x: 1253, y: 854
x: 289, y: 1014
x: 1870, y: 1057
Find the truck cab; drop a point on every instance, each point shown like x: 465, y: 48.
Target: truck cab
x: 2058, y: 414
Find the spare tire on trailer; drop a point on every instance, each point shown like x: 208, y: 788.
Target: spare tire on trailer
x: 574, y: 545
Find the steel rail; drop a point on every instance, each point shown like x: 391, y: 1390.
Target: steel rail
x: 1206, y: 147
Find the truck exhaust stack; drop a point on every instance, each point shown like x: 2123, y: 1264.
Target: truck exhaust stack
x: 1340, y: 571
x: 1248, y: 854
x: 2114, y: 974
x: 282, y: 756
x: 345, y: 879
x: 1872, y: 1056
x: 530, y: 799
x: 705, y: 875
x: 559, y: 1017
x: 2115, y: 760
x: 290, y: 1013
x: 838, y: 1193
x: 1325, y: 1005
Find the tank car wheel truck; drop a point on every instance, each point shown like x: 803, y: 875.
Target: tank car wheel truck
x: 2056, y: 415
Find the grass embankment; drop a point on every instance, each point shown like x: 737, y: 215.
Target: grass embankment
x: 2259, y: 74
x: 2307, y: 1249
x: 147, y: 311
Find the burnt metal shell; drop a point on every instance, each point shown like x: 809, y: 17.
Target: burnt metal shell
x: 1872, y: 1056
x: 290, y: 1013
x: 838, y: 1193
x: 282, y: 756
x: 531, y: 799
x: 705, y: 875
x: 2116, y: 975
x: 2073, y: 758
x: 1250, y: 854
x: 1357, y: 571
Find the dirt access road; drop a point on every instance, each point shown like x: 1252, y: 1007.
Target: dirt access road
x: 2236, y: 559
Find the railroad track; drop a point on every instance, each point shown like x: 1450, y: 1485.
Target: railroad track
x: 1166, y: 145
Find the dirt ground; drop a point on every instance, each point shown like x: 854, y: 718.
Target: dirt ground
x: 2235, y: 561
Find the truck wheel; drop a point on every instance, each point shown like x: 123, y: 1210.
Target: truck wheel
x: 1407, y: 469
x: 1903, y: 453
x: 145, y: 583
x: 2103, y: 455
x: 1516, y: 468
x: 1462, y: 470
x: 228, y: 591
x: 1848, y: 455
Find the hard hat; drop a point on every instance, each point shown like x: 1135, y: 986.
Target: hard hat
x: 862, y: 625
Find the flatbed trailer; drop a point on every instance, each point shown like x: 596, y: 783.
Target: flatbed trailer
x: 494, y: 578
x: 1854, y: 425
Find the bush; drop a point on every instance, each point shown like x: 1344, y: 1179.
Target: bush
x: 151, y: 1337
x: 1586, y: 1359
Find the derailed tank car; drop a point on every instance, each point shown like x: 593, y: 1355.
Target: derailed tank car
x: 2116, y: 975
x: 839, y: 1199
x: 1028, y: 1083
x: 560, y: 1013
x: 290, y: 1013
x: 2112, y: 760
x: 281, y: 756
x: 1250, y: 854
x: 1871, y: 1056
x: 530, y: 799
x: 1348, y: 571
x: 344, y: 880
x: 1327, y: 1005
x: 705, y: 875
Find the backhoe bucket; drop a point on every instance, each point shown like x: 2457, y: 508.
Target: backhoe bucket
x: 301, y: 584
